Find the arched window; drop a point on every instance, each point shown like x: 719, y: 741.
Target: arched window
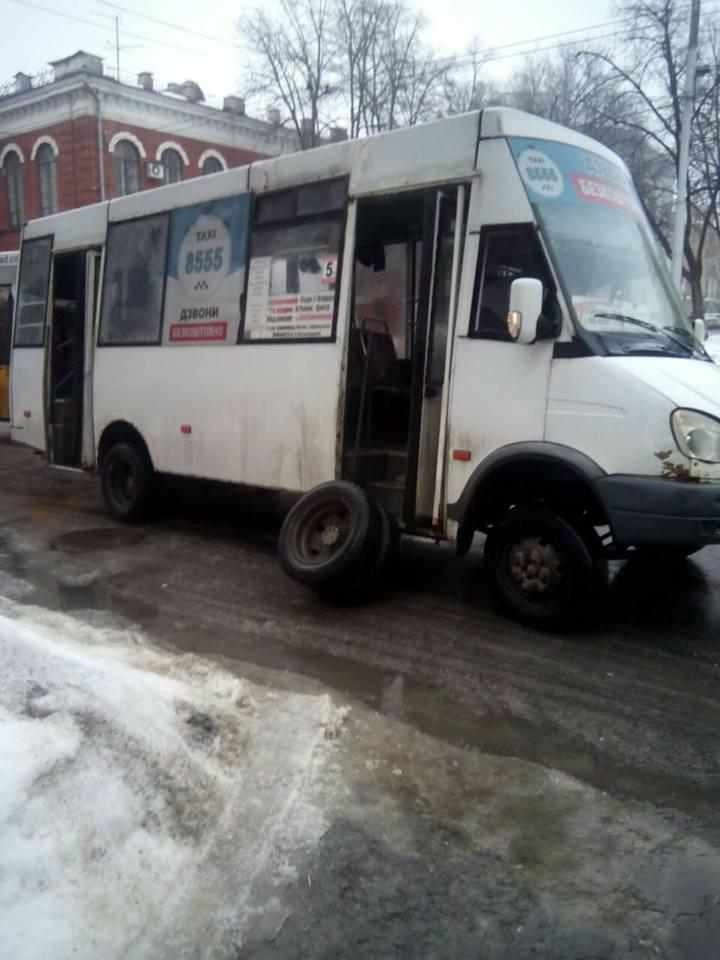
x: 13, y: 171
x: 47, y: 174
x: 211, y: 165
x: 126, y: 168
x: 173, y: 164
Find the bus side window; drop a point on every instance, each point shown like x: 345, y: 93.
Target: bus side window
x: 294, y: 264
x: 134, y: 282
x: 506, y: 253
x: 33, y: 292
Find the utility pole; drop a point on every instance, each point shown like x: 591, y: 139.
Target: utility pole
x: 117, y: 49
x: 688, y: 103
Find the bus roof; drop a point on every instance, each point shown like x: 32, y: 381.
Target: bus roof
x: 411, y: 157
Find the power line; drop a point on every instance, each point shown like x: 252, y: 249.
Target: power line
x: 111, y: 28
x: 174, y: 25
x: 170, y: 24
x: 65, y: 16
x: 482, y: 56
x: 488, y: 54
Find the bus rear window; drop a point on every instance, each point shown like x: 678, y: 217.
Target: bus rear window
x: 134, y: 282
x: 32, y: 302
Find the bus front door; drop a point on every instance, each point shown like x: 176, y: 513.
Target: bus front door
x: 70, y: 353
x: 406, y: 267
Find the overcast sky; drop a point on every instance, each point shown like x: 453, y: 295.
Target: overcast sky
x: 32, y: 36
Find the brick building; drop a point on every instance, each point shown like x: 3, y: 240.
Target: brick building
x: 75, y: 137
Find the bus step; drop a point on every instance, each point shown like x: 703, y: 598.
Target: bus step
x: 390, y: 494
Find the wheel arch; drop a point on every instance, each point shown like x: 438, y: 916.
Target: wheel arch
x: 547, y: 472
x: 121, y: 431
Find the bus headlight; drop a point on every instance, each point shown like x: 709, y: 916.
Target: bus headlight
x: 697, y: 435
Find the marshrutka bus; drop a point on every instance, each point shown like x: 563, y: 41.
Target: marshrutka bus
x: 458, y: 327
x: 8, y: 271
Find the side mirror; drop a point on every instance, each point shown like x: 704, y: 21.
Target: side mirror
x: 699, y: 330
x: 526, y: 298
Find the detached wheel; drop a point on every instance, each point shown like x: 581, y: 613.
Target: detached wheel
x: 542, y: 570
x: 330, y: 540
x: 126, y: 475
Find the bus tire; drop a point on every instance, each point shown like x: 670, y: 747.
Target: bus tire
x: 330, y: 540
x: 542, y: 570
x: 126, y: 476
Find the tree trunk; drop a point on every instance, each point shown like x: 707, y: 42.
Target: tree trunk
x: 694, y: 278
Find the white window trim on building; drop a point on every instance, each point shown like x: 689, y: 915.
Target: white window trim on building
x: 11, y: 148
x: 172, y: 145
x: 41, y: 141
x: 216, y: 155
x: 126, y: 135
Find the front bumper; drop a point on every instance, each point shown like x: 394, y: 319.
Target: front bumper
x: 651, y: 511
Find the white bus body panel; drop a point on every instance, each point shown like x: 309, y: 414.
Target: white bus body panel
x: 310, y: 166
x: 259, y: 414
x: 27, y: 406
x: 416, y: 156
x: 499, y: 389
x: 617, y: 410
x: 184, y: 194
x: 72, y: 230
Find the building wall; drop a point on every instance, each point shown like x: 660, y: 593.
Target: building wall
x: 152, y: 139
x: 77, y: 168
x: 66, y: 111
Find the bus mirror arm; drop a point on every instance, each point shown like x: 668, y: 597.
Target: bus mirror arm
x: 526, y: 301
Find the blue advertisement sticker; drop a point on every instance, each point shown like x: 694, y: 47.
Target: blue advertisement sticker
x: 206, y: 271
x: 561, y: 172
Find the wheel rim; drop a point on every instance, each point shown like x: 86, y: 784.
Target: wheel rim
x: 323, y: 532
x: 534, y: 567
x: 123, y: 483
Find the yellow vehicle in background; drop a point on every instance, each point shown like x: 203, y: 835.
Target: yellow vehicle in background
x: 8, y: 273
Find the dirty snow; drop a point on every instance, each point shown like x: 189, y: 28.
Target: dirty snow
x: 150, y: 803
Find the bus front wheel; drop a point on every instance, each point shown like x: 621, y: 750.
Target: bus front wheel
x: 126, y: 477
x: 543, y: 570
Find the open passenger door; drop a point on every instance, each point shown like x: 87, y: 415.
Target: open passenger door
x: 28, y: 423
x: 408, y: 251
x: 70, y: 356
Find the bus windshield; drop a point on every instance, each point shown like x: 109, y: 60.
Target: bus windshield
x: 602, y: 247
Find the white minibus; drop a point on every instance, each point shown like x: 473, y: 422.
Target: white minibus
x: 458, y: 327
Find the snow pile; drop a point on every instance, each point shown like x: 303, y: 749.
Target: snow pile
x: 148, y: 802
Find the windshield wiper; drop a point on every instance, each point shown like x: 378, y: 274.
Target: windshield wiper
x: 664, y: 331
x: 682, y: 335
x: 626, y: 318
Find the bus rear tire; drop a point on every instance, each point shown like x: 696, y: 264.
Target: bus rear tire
x: 543, y: 571
x: 126, y: 476
x: 331, y: 540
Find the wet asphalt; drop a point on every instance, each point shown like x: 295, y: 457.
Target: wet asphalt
x: 628, y: 709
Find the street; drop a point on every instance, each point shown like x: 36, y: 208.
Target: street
x: 496, y: 792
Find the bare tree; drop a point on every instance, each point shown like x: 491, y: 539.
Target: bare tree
x: 391, y: 76
x: 361, y: 62
x: 465, y: 88
x: 295, y: 62
x: 358, y: 28
x: 649, y: 68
